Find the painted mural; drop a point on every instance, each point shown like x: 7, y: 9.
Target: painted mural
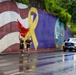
x: 45, y: 30
x: 48, y: 31
x: 59, y: 34
x: 9, y: 34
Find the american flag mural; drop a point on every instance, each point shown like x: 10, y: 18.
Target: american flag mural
x: 9, y: 13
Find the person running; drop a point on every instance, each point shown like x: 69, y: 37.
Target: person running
x: 21, y: 44
x: 28, y: 43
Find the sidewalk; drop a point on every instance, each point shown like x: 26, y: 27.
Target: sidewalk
x: 38, y: 51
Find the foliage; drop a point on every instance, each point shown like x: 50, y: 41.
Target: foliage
x: 53, y: 7
x: 23, y: 1
x: 73, y: 29
x: 70, y: 5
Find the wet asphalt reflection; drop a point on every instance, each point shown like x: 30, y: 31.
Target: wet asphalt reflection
x: 50, y: 63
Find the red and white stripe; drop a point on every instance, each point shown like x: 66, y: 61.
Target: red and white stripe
x: 9, y: 13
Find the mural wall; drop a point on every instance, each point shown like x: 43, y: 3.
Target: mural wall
x: 59, y: 34
x: 9, y: 34
x: 45, y: 30
x: 49, y: 31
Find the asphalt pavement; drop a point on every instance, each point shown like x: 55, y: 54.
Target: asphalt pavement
x: 42, y: 63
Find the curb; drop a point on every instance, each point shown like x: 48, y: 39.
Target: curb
x: 15, y: 53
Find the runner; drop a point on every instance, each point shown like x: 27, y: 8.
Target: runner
x: 28, y: 43
x: 21, y: 44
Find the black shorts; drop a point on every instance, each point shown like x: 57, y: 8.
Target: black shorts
x: 21, y: 46
x: 27, y: 46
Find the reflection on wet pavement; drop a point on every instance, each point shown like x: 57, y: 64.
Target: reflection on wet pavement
x: 27, y: 63
x: 69, y: 57
x: 57, y: 63
x: 65, y: 70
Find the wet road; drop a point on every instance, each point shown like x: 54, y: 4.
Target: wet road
x: 49, y: 63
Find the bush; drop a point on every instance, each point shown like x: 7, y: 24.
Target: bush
x: 58, y: 11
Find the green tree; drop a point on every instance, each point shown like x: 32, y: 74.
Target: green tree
x: 23, y: 1
x: 54, y: 7
x: 70, y: 5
